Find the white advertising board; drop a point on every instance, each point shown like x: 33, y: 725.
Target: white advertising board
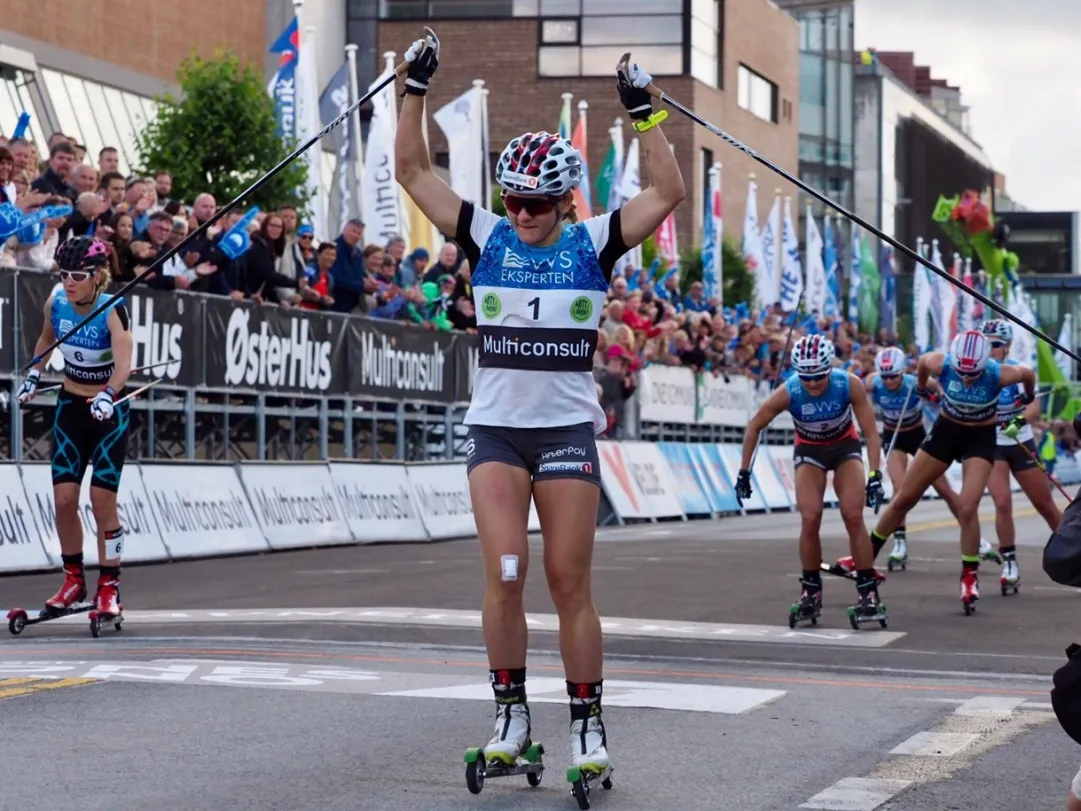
x: 21, y: 549
x: 378, y: 501
x: 721, y: 403
x: 666, y: 394
x: 443, y: 497
x: 655, y: 480
x: 619, y: 483
x: 201, y: 510
x: 141, y: 539
x: 295, y: 504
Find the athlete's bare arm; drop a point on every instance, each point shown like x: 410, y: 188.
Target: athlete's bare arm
x: 122, y: 342
x: 413, y: 169
x: 869, y: 381
x: 47, y: 336
x: 930, y: 365
x: 865, y: 416
x: 767, y: 413
x: 1012, y: 375
x: 642, y: 215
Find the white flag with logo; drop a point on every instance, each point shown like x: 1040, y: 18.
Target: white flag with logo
x: 771, y: 254
x: 946, y: 301
x: 1065, y: 338
x: 921, y: 303
x: 791, y: 271
x: 817, y: 286
x: 462, y: 124
x: 379, y: 190
x: 752, y: 246
x: 308, y: 126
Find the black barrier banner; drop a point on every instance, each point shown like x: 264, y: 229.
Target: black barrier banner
x: 466, y: 353
x: 400, y: 361
x: 293, y: 350
x: 8, y: 359
x: 164, y: 325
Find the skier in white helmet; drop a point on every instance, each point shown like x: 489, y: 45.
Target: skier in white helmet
x: 540, y: 278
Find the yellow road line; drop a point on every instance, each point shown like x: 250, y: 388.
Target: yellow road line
x: 944, y: 523
x: 11, y: 688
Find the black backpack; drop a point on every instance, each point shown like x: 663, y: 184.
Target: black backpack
x: 1062, y: 554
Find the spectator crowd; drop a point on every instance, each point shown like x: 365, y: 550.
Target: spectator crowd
x: 286, y: 264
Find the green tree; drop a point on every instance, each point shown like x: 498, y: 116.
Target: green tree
x: 738, y: 283
x: 221, y: 136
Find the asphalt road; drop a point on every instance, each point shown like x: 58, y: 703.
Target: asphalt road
x: 352, y: 678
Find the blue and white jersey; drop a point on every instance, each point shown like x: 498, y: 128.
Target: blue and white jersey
x: 826, y: 418
x: 538, y: 310
x: 893, y: 403
x: 972, y: 402
x: 1009, y: 406
x: 88, y: 354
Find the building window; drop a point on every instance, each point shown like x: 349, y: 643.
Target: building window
x: 593, y: 46
x: 555, y: 31
x: 812, y: 32
x: 812, y: 94
x: 455, y: 9
x: 757, y: 94
x: 560, y: 8
x: 20, y: 93
x: 846, y: 114
x: 629, y: 7
x: 786, y: 110
x: 705, y: 41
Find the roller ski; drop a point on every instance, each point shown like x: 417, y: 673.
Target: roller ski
x: 107, y: 607
x: 510, y: 752
x: 809, y: 607
x: 589, y: 752
x: 1011, y: 574
x: 868, y: 608
x: 970, y: 590
x: 988, y: 552
x: 898, y: 556
x: 71, y: 599
x: 846, y: 568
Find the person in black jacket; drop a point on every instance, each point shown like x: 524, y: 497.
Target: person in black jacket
x: 55, y: 178
x: 261, y: 275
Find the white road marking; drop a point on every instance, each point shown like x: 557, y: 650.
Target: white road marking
x: 450, y: 618
x: 935, y: 744
x: 655, y: 695
x: 856, y: 794
x: 998, y: 706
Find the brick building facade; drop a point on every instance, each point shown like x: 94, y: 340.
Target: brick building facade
x: 504, y: 53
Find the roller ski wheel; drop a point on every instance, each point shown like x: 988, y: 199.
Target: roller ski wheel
x: 18, y: 618
x: 969, y: 607
x: 900, y: 563
x: 858, y: 616
x: 804, y: 612
x: 581, y: 781
x: 478, y: 768
x: 99, y: 620
x: 1010, y: 587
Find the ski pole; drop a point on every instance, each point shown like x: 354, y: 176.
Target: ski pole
x: 896, y: 431
x: 1011, y: 432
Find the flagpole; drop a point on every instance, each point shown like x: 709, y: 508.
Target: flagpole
x: 485, y: 180
x: 354, y: 124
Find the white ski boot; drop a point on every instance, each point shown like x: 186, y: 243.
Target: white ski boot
x: 1011, y: 574
x: 899, y: 553
x: 988, y: 552
x: 512, y: 734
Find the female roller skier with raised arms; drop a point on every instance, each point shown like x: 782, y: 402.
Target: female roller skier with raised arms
x: 1010, y: 457
x: 825, y: 404
x: 539, y: 278
x: 88, y: 429
x: 969, y: 384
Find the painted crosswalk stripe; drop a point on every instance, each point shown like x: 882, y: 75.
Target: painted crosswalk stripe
x: 856, y: 794
x: 654, y: 695
x: 935, y: 744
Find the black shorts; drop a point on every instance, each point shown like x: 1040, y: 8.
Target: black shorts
x: 908, y: 441
x: 547, y: 453
x: 827, y: 457
x: 1017, y: 459
x: 80, y: 440
x: 955, y: 442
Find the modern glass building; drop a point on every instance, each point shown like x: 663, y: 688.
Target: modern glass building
x: 826, y: 116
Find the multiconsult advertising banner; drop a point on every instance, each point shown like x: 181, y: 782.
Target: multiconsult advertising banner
x: 248, y: 346
x: 400, y: 362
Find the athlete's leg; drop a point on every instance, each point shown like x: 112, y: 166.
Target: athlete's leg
x: 1035, y: 485
x: 70, y: 457
x: 999, y: 485
x: 500, y: 494
x: 975, y: 472
x: 947, y: 494
x: 810, y: 492
x: 568, y: 514
x: 896, y: 466
x: 107, y: 458
x: 921, y: 472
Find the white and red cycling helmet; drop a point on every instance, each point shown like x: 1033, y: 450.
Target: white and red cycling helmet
x: 539, y: 164
x: 890, y: 362
x: 970, y: 352
x: 813, y: 355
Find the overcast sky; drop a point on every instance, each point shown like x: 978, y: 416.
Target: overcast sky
x: 1018, y: 64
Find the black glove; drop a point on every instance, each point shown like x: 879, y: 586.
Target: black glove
x: 928, y: 395
x: 743, y: 486
x: 632, y: 81
x: 875, y: 494
x: 423, y: 59
x: 1026, y: 398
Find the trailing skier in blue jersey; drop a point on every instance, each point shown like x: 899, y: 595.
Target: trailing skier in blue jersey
x: 969, y: 382
x: 825, y: 404
x: 894, y: 394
